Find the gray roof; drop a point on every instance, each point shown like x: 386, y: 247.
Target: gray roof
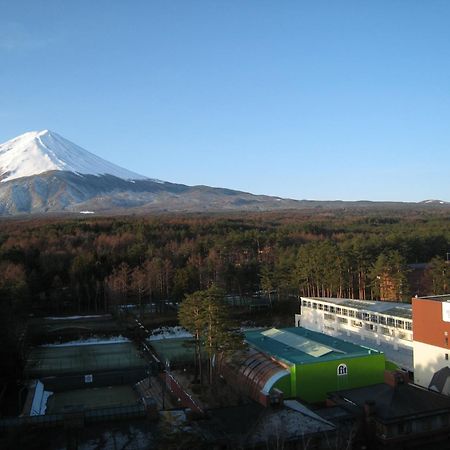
x: 396, y: 403
x: 439, y: 379
x: 438, y: 298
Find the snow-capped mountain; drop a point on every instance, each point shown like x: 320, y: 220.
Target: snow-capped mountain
x: 41, y: 172
x: 37, y: 152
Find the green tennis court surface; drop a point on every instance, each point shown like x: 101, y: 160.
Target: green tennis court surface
x: 45, y: 361
x: 92, y: 398
x: 179, y: 350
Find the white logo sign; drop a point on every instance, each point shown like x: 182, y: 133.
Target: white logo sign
x: 342, y: 370
x: 88, y: 378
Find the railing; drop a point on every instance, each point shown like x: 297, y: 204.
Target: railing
x: 176, y: 389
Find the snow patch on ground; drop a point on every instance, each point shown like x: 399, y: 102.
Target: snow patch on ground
x: 96, y: 316
x: 90, y: 341
x: 39, y: 404
x: 169, y: 333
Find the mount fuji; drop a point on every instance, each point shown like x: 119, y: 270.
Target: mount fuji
x: 38, y: 152
x: 41, y: 172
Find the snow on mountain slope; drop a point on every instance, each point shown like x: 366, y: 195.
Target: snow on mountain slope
x: 37, y: 152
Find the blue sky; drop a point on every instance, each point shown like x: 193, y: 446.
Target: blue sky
x: 303, y: 99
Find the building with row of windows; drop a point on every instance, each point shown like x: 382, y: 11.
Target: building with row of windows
x: 385, y: 326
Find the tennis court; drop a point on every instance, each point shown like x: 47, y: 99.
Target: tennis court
x: 174, y: 350
x: 46, y: 361
x: 92, y: 398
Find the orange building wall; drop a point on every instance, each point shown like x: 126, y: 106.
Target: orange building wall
x: 428, y: 326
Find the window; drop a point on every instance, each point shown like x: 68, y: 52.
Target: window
x: 359, y: 315
x: 309, y: 305
x: 328, y: 316
x: 391, y: 321
x: 314, y: 305
x: 446, y: 356
x: 342, y: 320
x: 382, y: 320
x: 351, y: 313
x: 374, y: 318
x: 326, y: 308
x: 338, y: 311
x: 320, y: 306
x: 332, y: 309
x: 304, y: 303
x: 403, y: 335
x: 408, y: 326
x: 344, y: 312
x: 400, y: 324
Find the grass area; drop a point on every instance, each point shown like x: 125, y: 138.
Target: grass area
x: 103, y: 397
x: 44, y: 361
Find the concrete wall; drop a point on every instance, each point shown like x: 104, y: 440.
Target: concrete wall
x: 428, y: 359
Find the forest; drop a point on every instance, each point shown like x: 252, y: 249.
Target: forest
x: 93, y: 265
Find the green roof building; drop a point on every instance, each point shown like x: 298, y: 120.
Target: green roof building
x: 311, y: 363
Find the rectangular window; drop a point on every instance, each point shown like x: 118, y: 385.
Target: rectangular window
x: 304, y: 303
x: 374, y: 318
x: 400, y: 324
x: 351, y: 313
x: 382, y: 320
x: 320, y: 306
x: 344, y: 312
x: 446, y: 356
x: 328, y: 316
x: 408, y: 326
x: 314, y: 305
x: 338, y: 311
x: 332, y: 309
x: 326, y: 308
x: 391, y: 322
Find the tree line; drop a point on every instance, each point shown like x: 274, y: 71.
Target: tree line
x: 97, y: 264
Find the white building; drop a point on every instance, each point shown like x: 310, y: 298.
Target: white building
x: 384, y: 326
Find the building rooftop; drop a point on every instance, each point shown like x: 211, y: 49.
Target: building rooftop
x: 394, y: 403
x: 298, y: 345
x: 438, y: 298
x: 403, y: 310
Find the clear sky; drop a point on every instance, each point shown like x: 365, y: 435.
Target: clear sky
x: 303, y: 99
